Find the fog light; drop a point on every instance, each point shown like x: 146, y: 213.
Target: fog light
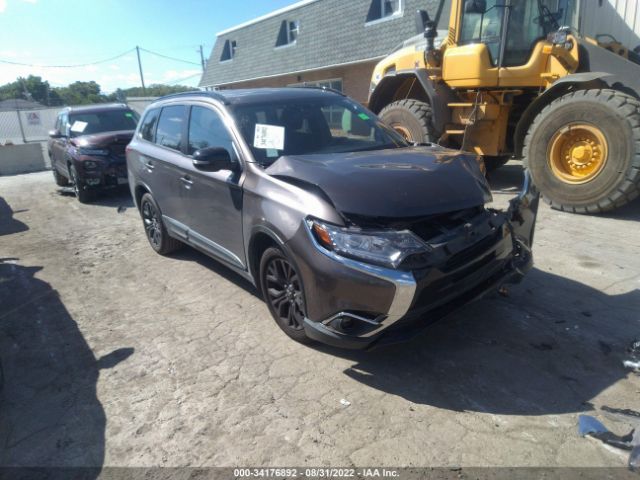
x: 93, y: 181
x: 346, y: 323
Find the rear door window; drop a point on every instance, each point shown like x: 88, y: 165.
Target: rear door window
x: 148, y: 126
x: 170, y: 127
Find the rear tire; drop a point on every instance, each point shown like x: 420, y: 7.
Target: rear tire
x: 412, y: 119
x: 612, y: 116
x: 282, y: 291
x: 157, y: 235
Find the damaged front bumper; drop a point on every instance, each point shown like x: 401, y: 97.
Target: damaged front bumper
x: 102, y: 172
x: 352, y: 304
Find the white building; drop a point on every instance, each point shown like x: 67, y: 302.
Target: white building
x: 620, y: 18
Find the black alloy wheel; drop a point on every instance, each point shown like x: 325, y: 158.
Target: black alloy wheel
x: 282, y: 290
x: 156, y: 233
x: 152, y: 227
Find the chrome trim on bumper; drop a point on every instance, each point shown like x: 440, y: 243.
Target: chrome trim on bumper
x: 404, y: 282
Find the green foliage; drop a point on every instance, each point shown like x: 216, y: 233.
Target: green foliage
x: 78, y: 93
x: 155, y: 90
x: 31, y: 88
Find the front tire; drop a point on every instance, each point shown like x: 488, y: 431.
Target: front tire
x: 582, y: 153
x: 157, y: 235
x: 282, y: 291
x: 80, y: 189
x: 412, y: 119
x: 60, y: 179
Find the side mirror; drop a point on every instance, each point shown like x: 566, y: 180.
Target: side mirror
x: 422, y: 17
x: 55, y: 133
x: 475, y: 6
x: 213, y: 159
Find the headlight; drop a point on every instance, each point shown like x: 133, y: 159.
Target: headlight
x: 386, y: 248
x: 97, y: 152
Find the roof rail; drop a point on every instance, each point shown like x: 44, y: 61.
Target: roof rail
x: 318, y: 87
x: 195, y: 93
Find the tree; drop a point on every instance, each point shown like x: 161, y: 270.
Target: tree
x: 78, y: 93
x: 30, y: 88
x: 155, y: 90
x: 81, y: 93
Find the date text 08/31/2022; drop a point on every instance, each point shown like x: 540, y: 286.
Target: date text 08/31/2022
x: 315, y: 473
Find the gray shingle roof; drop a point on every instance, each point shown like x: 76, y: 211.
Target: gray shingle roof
x: 331, y: 32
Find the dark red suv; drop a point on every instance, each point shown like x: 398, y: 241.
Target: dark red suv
x: 87, y: 146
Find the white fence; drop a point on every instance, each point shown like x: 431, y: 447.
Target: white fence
x: 33, y: 125
x: 21, y: 126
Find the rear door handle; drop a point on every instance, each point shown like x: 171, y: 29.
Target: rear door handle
x: 148, y: 163
x: 186, y: 180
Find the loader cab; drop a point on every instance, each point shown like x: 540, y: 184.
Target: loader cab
x: 500, y: 42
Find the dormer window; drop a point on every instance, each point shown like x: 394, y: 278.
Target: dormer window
x: 288, y: 33
x: 228, y: 51
x: 384, y: 10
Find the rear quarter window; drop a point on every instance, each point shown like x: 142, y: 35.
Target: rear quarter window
x: 148, y: 125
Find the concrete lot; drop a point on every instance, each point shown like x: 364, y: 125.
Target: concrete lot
x: 115, y: 356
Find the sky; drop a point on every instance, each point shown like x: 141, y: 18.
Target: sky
x: 72, y: 32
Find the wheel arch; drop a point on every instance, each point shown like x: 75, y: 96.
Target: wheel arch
x: 139, y: 190
x: 579, y: 81
x: 262, y: 237
x: 414, y: 84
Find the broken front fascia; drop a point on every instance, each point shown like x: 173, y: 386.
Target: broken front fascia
x: 507, y: 261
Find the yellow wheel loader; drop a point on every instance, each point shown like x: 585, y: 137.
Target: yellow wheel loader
x: 515, y: 78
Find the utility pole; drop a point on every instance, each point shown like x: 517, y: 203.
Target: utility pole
x: 202, y: 58
x: 144, y: 90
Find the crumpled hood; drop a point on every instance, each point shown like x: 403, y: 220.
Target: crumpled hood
x: 102, y: 140
x: 396, y: 183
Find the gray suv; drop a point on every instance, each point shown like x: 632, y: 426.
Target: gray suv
x: 353, y: 236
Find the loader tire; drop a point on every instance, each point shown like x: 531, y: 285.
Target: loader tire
x: 583, y: 151
x: 412, y: 119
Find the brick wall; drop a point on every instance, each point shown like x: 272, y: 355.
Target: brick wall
x: 355, y: 79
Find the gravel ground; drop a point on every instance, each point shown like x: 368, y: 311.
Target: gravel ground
x: 115, y: 356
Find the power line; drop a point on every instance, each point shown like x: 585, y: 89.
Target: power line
x: 22, y: 64
x: 168, y: 57
x: 173, y: 82
x: 68, y: 66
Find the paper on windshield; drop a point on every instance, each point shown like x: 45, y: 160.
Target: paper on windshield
x: 269, y: 136
x: 78, y: 126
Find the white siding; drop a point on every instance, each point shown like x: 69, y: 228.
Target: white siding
x: 620, y: 18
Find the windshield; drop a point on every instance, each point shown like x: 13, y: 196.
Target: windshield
x: 100, y: 122
x: 309, y: 126
x: 529, y: 22
x: 554, y: 14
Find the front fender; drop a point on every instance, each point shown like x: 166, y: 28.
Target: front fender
x: 523, y: 211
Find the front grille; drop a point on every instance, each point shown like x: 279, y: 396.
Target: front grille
x: 118, y: 149
x: 438, y: 225
x: 468, y: 254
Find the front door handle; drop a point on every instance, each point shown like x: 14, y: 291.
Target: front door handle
x: 186, y: 180
x: 149, y: 164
